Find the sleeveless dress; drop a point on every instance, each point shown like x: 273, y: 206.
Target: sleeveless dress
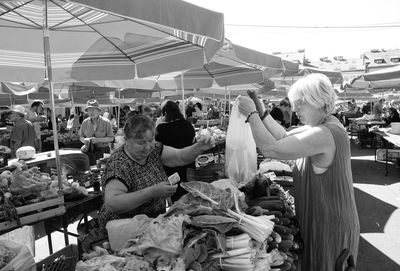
x: 325, y: 206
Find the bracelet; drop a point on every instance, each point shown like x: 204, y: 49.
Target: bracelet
x: 251, y: 113
x: 266, y: 113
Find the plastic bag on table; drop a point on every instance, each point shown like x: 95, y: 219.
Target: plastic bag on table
x: 17, y: 257
x: 241, y: 153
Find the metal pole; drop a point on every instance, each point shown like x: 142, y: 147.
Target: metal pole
x: 183, y: 96
x: 47, y: 59
x: 229, y: 103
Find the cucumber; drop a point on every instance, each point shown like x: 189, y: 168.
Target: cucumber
x: 271, y: 205
x: 282, y: 229
x: 287, y: 237
x: 285, y: 245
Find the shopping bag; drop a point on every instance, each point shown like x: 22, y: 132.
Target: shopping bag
x: 17, y: 257
x: 241, y: 152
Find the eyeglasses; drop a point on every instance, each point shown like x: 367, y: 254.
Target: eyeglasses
x: 298, y: 103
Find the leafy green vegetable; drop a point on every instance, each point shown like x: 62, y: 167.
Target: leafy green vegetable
x: 221, y: 198
x: 192, y: 206
x: 220, y: 223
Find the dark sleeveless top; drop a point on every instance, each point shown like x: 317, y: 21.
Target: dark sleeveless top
x: 325, y: 206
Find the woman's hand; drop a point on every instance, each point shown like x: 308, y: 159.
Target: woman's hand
x: 206, y: 142
x: 246, y: 105
x: 164, y: 190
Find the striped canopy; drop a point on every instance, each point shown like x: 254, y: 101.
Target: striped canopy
x: 231, y: 65
x: 380, y: 79
x: 100, y: 40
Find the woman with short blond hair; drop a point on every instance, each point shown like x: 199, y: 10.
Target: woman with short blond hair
x: 324, y: 195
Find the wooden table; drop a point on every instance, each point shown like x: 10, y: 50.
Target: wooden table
x: 387, y: 138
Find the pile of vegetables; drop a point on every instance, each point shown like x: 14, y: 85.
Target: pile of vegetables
x: 22, y: 186
x: 213, y: 131
x: 207, y: 229
x: 266, y: 197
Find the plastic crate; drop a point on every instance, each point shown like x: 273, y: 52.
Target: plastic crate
x: 63, y: 260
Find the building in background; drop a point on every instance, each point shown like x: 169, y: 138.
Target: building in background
x: 379, y: 59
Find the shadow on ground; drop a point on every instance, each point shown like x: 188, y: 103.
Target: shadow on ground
x: 373, y: 212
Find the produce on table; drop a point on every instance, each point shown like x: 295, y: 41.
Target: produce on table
x: 24, y: 186
x: 6, y: 255
x: 214, y: 132
x: 209, y: 228
x: 65, y: 137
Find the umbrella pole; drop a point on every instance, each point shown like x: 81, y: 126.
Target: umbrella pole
x: 47, y: 56
x: 119, y: 109
x: 229, y: 103
x: 183, y: 96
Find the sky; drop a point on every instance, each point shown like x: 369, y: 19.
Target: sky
x: 323, y: 28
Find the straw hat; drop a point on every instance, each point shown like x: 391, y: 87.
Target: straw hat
x: 92, y: 104
x: 18, y: 109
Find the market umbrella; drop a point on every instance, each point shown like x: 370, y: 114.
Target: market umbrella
x: 46, y: 37
x: 380, y: 79
x: 334, y: 76
x: 18, y: 89
x: 157, y: 32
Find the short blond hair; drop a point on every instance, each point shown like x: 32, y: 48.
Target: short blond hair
x: 316, y: 90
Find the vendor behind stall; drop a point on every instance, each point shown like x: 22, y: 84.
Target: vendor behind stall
x: 95, y: 133
x: 134, y: 181
x: 23, y: 132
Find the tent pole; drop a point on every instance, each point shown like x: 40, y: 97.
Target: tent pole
x: 118, y: 108
x: 46, y: 42
x: 229, y: 103
x: 183, y: 96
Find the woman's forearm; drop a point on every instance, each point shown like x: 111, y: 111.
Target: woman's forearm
x: 122, y: 202
x: 262, y: 136
x: 276, y: 130
x: 189, y: 154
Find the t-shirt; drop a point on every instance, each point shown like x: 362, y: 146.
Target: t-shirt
x: 277, y: 115
x: 23, y: 134
x: 100, y: 128
x: 31, y: 115
x: 178, y: 134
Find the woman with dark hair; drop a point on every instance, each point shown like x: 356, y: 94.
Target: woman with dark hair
x: 134, y: 181
x: 178, y: 133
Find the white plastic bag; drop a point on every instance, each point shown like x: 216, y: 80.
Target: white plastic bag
x: 21, y: 257
x: 121, y: 230
x: 241, y: 152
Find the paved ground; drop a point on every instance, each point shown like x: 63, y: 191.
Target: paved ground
x: 378, y: 203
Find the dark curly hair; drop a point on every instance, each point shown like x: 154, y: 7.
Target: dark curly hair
x: 171, y: 112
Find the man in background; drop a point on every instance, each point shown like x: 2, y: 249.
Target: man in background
x: 36, y: 117
x: 23, y: 132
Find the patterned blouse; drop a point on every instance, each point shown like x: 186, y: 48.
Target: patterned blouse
x: 135, y: 177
